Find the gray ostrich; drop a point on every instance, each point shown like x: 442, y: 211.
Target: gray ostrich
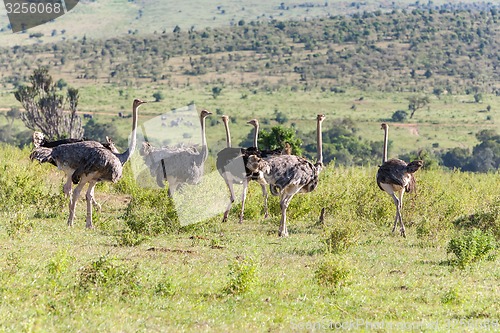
x: 178, y: 165
x: 40, y: 142
x: 290, y: 174
x: 90, y: 163
x: 394, y: 176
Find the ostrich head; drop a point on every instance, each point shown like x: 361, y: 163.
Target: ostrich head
x: 38, y: 139
x: 225, y: 119
x: 413, y: 166
x: 138, y: 102
x: 145, y: 149
x: 110, y: 145
x: 257, y: 164
x: 205, y: 113
x: 253, y: 122
x: 384, y: 126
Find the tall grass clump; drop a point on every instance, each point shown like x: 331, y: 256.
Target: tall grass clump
x: 487, y: 219
x: 340, y: 237
x: 24, y: 183
x: 332, y: 272
x: 105, y: 276
x: 151, y: 212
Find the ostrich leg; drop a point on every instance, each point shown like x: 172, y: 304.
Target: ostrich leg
x: 90, y: 199
x: 264, y: 194
x: 231, y: 199
x: 402, y: 230
x: 243, y: 198
x: 72, y: 202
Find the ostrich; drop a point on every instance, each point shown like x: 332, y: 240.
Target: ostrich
x: 91, y: 163
x: 44, y: 155
x: 179, y: 165
x: 290, y: 174
x: 231, y: 164
x: 394, y: 176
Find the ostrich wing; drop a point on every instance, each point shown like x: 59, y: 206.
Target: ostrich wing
x: 392, y: 172
x: 42, y: 155
x: 293, y: 170
x: 101, y: 162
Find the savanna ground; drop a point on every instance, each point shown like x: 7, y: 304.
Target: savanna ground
x: 139, y: 270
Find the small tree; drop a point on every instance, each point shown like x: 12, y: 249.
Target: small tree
x: 12, y: 115
x: 399, y: 116
x: 44, y: 107
x: 216, y: 91
x: 276, y: 138
x: 478, y: 98
x: 158, y: 96
x: 417, y: 102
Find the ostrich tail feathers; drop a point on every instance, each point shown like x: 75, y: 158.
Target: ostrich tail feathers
x: 42, y: 155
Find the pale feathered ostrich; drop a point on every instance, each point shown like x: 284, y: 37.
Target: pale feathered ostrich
x: 394, y: 176
x: 290, y: 174
x: 231, y: 164
x: 44, y: 155
x: 178, y: 165
x: 91, y: 163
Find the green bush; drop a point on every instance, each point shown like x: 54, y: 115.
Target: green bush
x: 471, y: 246
x: 242, y: 276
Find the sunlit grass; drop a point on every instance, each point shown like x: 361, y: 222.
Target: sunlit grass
x: 178, y: 279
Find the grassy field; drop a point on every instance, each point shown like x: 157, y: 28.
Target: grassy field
x: 447, y: 122
x: 349, y: 271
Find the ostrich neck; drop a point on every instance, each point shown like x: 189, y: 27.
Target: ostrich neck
x: 386, y: 136
x: 125, y: 156
x: 204, y: 150
x: 319, y: 140
x: 228, y: 134
x: 256, y: 136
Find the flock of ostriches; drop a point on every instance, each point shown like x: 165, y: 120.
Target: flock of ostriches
x: 90, y: 162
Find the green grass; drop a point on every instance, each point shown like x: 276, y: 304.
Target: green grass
x: 449, y: 122
x: 215, y: 276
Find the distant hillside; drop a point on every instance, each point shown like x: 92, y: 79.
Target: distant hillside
x: 436, y: 50
x: 102, y: 19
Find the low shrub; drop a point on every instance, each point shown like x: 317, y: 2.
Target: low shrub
x: 242, y: 276
x: 332, y: 272
x: 339, y: 238
x: 471, y: 246
x: 105, y: 276
x: 487, y: 220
